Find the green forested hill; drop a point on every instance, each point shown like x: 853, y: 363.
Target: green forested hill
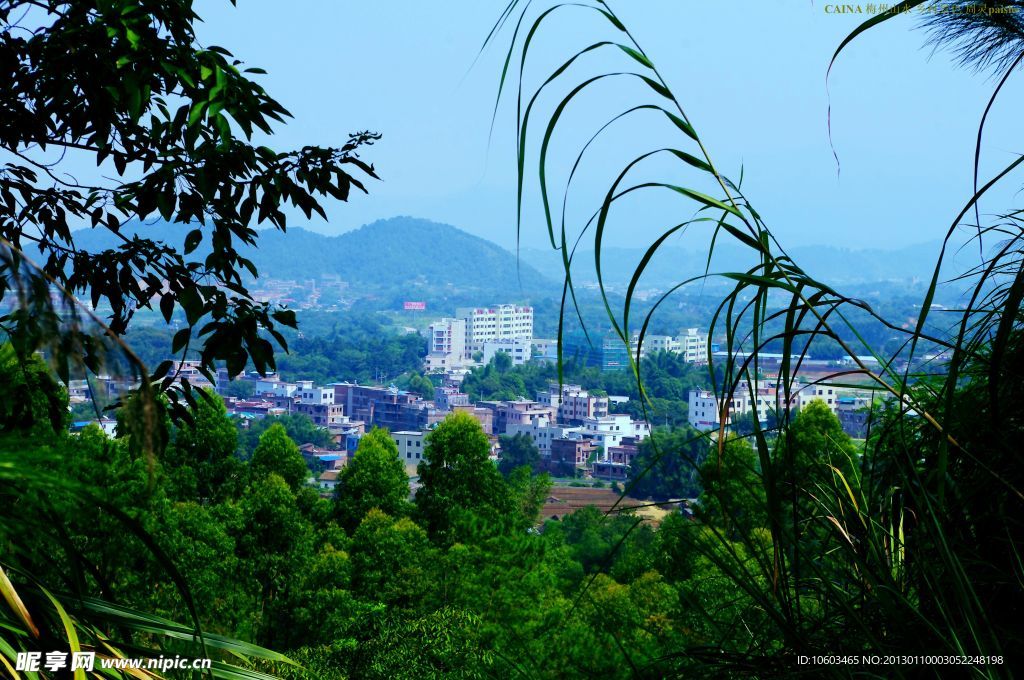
x: 397, y: 252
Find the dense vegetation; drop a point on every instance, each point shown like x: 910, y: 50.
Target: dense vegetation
x: 357, y: 348
x: 906, y: 544
x: 365, y: 583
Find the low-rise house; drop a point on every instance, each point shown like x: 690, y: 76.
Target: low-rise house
x: 568, y: 455
x: 410, y: 446
x: 609, y: 430
x: 517, y: 412
x: 328, y: 480
x: 543, y: 432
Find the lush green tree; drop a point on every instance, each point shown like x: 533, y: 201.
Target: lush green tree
x: 816, y: 467
x: 204, y: 552
x: 130, y: 483
x: 374, y: 478
x: 518, y: 620
x: 666, y: 466
x: 444, y: 643
x: 240, y: 389
x: 516, y: 451
x: 618, y: 544
x: 813, y: 446
x: 418, y: 383
x: 300, y: 428
x: 624, y: 626
x: 357, y: 346
x: 277, y: 454
x: 201, y: 461
x: 492, y: 382
x: 274, y: 541
x: 459, y: 483
x: 704, y: 567
x: 319, y: 607
x: 32, y: 405
x: 733, y: 498
x: 392, y: 560
x: 502, y: 362
x: 530, y: 491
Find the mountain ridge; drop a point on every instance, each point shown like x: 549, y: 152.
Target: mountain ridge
x: 400, y: 251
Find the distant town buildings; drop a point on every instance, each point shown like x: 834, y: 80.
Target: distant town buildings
x: 692, y: 344
x: 849, y: 404
x: 447, y: 345
x: 519, y: 350
x: 607, y: 352
x: 574, y: 428
x: 481, y: 331
x: 573, y: 403
x: 496, y: 323
x: 410, y: 446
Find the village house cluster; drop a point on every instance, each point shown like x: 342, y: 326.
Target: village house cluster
x: 572, y: 427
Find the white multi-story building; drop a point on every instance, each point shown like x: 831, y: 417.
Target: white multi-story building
x: 654, y: 343
x: 705, y: 410
x: 447, y: 347
x: 694, y: 346
x: 448, y: 336
x: 519, y: 350
x: 609, y: 430
x: 307, y: 393
x: 545, y: 348
x: 498, y: 322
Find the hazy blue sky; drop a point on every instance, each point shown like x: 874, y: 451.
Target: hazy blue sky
x: 751, y: 74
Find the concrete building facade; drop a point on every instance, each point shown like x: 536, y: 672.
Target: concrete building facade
x: 496, y: 323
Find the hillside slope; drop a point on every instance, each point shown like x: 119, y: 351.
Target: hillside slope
x: 397, y: 253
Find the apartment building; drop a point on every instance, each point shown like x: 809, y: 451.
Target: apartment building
x: 410, y: 445
x: 519, y: 350
x: 569, y: 454
x: 654, y: 343
x: 307, y: 393
x: 693, y: 345
x: 322, y: 414
x: 495, y: 323
x: 518, y: 412
x: 615, y: 464
x: 543, y: 432
x: 386, y: 407
x: 448, y: 397
x: 573, y: 403
x: 608, y: 431
x: 608, y: 352
x: 447, y: 345
x: 705, y: 410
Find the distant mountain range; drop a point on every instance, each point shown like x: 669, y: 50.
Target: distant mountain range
x: 673, y: 264
x: 398, y: 253
x: 411, y: 255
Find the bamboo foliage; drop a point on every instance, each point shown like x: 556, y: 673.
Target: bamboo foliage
x: 837, y: 557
